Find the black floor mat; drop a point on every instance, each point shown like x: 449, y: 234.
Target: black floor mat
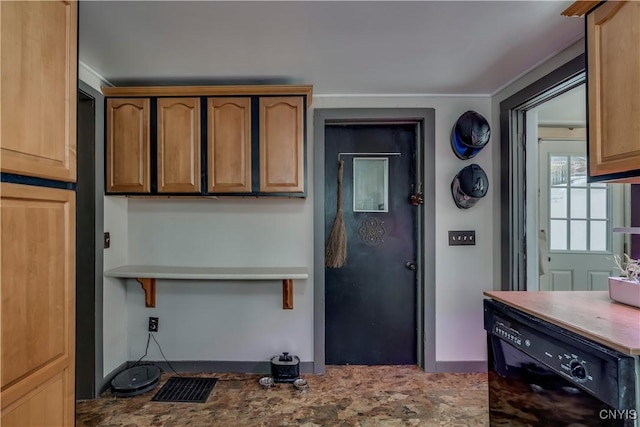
x: 185, y: 389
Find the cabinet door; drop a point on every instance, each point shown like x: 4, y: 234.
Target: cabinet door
x: 282, y: 144
x: 178, y: 145
x: 37, y: 284
x: 613, y: 43
x: 128, y: 145
x: 229, y: 145
x: 38, y: 53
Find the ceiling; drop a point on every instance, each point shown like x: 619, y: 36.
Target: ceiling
x: 340, y: 47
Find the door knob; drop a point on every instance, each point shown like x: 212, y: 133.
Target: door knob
x: 410, y: 265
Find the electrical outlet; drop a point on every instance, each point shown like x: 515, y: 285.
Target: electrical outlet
x: 153, y: 324
x: 465, y: 238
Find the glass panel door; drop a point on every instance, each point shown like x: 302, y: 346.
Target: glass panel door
x: 576, y: 219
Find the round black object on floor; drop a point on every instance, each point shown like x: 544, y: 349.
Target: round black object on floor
x: 136, y: 380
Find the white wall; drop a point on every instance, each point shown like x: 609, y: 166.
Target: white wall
x: 115, y: 328
x: 218, y: 320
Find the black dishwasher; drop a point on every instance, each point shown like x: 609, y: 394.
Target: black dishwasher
x: 541, y: 375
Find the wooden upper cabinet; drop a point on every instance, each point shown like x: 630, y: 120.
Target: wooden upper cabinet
x: 207, y: 140
x: 613, y: 46
x: 38, y: 53
x: 281, y: 144
x: 128, y: 145
x: 178, y: 140
x: 229, y: 145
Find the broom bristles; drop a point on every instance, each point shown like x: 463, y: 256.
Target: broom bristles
x: 335, y: 254
x: 336, y: 250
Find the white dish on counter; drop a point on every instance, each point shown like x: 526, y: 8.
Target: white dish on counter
x: 624, y: 291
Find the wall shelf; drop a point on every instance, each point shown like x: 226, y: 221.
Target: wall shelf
x: 146, y: 275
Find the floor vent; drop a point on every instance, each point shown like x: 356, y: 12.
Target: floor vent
x: 185, y: 389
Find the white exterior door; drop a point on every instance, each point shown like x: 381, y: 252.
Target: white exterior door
x: 576, y: 219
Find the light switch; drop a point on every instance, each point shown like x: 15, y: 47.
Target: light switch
x: 462, y: 238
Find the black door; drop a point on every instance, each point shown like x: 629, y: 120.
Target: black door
x: 370, y: 303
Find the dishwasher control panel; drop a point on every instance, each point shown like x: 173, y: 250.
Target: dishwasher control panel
x: 560, y: 356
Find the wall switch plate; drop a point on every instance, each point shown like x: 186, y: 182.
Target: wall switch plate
x: 462, y: 238
x: 107, y: 240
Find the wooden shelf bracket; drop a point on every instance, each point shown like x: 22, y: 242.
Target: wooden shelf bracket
x: 287, y: 294
x: 149, y: 287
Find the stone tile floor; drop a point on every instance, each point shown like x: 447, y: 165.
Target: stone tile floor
x: 366, y: 396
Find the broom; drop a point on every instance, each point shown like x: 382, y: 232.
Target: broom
x: 336, y: 250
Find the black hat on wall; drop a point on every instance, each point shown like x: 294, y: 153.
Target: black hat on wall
x: 470, y: 134
x: 469, y: 185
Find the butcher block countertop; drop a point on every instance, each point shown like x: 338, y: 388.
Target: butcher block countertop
x: 590, y: 314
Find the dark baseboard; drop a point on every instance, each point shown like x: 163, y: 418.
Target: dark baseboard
x: 225, y: 366
x: 203, y: 366
x: 462, y: 366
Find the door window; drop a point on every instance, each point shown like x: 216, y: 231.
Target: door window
x: 579, y: 213
x: 370, y: 184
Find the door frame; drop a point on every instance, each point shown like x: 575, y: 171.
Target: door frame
x: 90, y: 303
x: 85, y: 259
x: 424, y: 120
x: 513, y: 241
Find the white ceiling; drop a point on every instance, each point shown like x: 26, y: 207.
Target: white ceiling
x: 340, y: 47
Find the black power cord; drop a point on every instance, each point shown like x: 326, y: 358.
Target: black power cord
x: 162, y: 353
x: 146, y: 349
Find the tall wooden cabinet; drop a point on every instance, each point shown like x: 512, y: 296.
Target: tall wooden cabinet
x: 38, y: 42
x: 39, y: 81
x: 250, y: 141
x: 38, y: 305
x: 613, y: 85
